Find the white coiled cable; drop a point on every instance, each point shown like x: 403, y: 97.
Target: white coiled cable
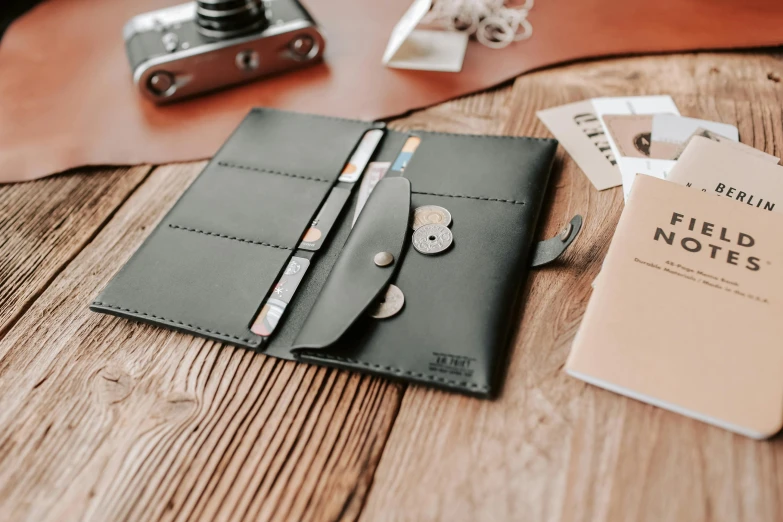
x: 494, y: 23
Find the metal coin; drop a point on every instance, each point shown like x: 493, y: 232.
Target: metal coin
x: 432, y: 239
x: 431, y: 214
x: 390, y: 304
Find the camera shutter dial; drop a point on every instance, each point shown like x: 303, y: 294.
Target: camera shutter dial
x: 220, y: 19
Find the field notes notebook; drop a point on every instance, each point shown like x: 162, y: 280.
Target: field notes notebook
x: 726, y: 171
x: 688, y: 313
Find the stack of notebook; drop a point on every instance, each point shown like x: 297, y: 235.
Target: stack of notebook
x: 688, y: 311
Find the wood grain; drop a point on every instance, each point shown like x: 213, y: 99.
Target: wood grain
x: 103, y: 419
x: 45, y: 223
x: 552, y: 448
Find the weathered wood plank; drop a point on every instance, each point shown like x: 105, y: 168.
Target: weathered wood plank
x: 551, y: 447
x: 104, y: 419
x: 45, y: 223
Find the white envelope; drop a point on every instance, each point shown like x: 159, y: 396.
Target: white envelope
x: 409, y: 48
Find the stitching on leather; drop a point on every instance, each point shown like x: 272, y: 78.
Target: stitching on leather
x: 268, y: 171
x: 514, y: 201
x: 233, y: 238
x: 370, y: 123
x: 253, y: 342
x: 316, y: 116
x: 174, y: 322
x: 481, y: 136
x: 400, y: 371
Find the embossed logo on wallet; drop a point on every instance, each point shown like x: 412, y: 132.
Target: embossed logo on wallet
x: 451, y: 364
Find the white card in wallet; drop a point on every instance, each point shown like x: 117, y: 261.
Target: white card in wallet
x: 409, y: 48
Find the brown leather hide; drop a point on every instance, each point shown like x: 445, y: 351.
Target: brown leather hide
x: 67, y: 100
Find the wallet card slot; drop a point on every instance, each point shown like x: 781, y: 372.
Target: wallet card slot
x: 467, y: 166
x: 267, y: 182
x: 294, y: 144
x: 253, y: 206
x: 204, y: 284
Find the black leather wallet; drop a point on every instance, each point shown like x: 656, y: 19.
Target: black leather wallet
x: 215, y: 258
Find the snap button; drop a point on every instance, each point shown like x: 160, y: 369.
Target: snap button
x: 383, y: 259
x: 566, y: 232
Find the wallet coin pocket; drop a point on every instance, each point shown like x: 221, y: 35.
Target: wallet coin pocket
x: 464, y: 165
x: 451, y: 328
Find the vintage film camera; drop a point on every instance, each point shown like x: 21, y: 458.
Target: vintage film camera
x: 200, y: 46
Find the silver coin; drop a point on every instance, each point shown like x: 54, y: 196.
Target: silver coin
x: 430, y: 214
x: 432, y: 239
x: 390, y: 304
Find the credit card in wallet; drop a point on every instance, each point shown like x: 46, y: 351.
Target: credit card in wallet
x: 411, y: 144
x: 375, y: 172
x: 323, y: 222
x: 361, y: 156
x: 267, y: 319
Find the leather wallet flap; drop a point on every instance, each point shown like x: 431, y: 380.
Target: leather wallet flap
x: 357, y: 279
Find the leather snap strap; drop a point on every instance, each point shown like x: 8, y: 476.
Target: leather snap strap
x: 550, y: 249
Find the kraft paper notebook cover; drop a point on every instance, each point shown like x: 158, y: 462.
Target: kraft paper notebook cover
x: 723, y: 170
x: 688, y: 313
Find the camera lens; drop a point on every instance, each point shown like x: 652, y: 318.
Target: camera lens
x: 219, y: 19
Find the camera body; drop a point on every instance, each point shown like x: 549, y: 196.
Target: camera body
x: 200, y: 46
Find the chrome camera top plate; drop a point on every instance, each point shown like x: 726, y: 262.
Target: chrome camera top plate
x: 193, y: 48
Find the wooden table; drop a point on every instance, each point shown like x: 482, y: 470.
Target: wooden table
x: 107, y: 420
